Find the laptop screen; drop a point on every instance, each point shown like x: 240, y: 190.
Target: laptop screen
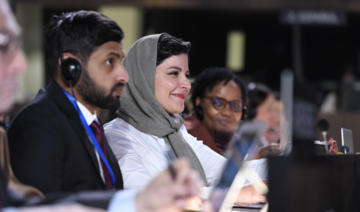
x: 243, y: 145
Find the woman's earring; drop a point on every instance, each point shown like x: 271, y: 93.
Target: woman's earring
x: 199, y: 112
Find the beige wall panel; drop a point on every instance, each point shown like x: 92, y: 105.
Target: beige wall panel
x: 129, y: 18
x: 29, y: 17
x: 235, y: 58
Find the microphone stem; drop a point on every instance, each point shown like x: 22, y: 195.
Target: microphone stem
x: 73, y: 93
x: 326, y: 143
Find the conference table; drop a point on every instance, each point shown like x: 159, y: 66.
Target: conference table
x: 314, y: 183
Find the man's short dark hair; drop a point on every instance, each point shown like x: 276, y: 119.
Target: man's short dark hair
x: 79, y: 33
x: 169, y: 45
x: 211, y: 77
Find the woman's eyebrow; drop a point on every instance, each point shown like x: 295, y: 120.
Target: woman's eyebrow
x: 175, y: 67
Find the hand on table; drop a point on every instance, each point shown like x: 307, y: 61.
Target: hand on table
x: 166, y: 194
x: 273, y: 149
x: 333, y: 146
x: 248, y: 195
x: 193, y: 204
x: 73, y: 207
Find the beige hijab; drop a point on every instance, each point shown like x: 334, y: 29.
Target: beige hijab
x: 140, y: 108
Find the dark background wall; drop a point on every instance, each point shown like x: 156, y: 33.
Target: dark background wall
x: 326, y: 50
x: 253, y: 5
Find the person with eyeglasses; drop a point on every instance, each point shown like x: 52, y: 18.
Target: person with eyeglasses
x: 219, y: 98
x: 10, y: 44
x: 9, y: 51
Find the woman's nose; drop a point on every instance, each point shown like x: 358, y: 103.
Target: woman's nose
x: 227, y: 110
x: 185, y: 83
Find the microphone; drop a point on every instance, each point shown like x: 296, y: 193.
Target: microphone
x: 344, y: 149
x: 324, y: 126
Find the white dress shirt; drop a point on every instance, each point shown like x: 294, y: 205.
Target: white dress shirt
x: 122, y: 200
x: 89, y: 116
x: 142, y: 156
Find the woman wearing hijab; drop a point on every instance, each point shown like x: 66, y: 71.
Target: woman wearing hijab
x: 149, y: 119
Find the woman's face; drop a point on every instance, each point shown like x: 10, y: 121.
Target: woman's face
x: 275, y: 128
x: 172, y: 84
x: 269, y: 113
x: 225, y: 120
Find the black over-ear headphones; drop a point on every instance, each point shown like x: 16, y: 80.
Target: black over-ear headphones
x: 70, y: 68
x: 199, y: 112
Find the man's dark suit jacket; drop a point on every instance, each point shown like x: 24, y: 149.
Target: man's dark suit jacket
x: 49, y: 147
x: 9, y: 198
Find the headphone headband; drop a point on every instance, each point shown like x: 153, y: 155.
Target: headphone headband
x: 58, y: 40
x: 70, y: 68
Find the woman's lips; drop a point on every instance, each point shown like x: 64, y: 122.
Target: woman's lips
x: 226, y: 122
x: 179, y: 95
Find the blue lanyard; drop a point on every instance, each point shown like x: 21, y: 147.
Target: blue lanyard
x: 92, y: 137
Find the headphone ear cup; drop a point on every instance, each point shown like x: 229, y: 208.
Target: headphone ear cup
x: 70, y: 70
x: 199, y: 112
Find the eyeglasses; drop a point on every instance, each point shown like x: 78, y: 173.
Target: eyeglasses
x: 220, y: 104
x: 9, y: 44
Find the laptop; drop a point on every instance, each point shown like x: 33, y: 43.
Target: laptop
x: 288, y: 148
x: 243, y: 146
x: 347, y: 139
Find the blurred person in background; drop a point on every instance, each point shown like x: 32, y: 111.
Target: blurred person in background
x: 264, y: 106
x: 149, y: 117
x: 218, y: 98
x: 163, y: 194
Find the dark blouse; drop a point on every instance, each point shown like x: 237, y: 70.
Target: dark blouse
x: 197, y: 129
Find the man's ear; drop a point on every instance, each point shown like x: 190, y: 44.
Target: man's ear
x: 65, y: 56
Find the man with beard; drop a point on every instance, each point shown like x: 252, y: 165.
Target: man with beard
x: 56, y: 142
x: 163, y: 194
